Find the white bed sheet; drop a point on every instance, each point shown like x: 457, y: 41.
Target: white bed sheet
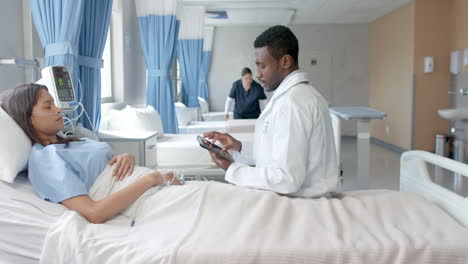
x: 24, y: 221
x: 222, y: 223
x: 183, y: 150
x: 230, y: 126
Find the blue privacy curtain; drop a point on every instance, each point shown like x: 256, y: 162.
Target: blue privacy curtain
x: 206, y: 61
x: 190, y: 52
x: 94, y: 28
x: 158, y: 35
x: 203, y: 88
x: 58, y: 24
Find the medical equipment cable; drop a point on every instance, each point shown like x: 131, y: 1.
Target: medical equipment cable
x: 83, y: 110
x: 86, y: 114
x: 78, y: 116
x: 72, y: 120
x: 82, y: 106
x: 71, y: 124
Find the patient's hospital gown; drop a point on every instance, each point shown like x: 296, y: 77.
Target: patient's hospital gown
x: 58, y: 172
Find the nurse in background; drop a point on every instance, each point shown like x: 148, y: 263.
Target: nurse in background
x: 246, y: 93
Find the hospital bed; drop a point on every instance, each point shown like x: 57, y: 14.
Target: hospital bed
x: 217, y: 223
x: 189, y: 123
x: 183, y: 153
x: 179, y: 152
x: 211, y: 116
x: 229, y: 126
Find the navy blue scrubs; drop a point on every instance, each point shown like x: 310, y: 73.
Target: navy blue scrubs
x: 246, y: 103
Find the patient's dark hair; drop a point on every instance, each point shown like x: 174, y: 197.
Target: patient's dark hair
x: 280, y: 41
x: 246, y: 71
x: 19, y: 102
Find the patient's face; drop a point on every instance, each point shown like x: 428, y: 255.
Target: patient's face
x: 268, y: 69
x: 44, y: 118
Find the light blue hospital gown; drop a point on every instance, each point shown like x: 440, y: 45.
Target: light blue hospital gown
x: 58, y: 172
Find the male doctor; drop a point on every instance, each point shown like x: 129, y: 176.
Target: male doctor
x: 294, y: 150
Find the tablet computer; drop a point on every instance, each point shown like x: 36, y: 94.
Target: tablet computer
x: 206, y: 144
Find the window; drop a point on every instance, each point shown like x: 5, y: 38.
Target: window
x: 178, y: 95
x: 106, y: 72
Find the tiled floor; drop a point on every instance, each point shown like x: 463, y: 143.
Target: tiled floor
x: 384, y: 171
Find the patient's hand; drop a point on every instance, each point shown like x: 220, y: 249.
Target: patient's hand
x: 228, y: 142
x: 124, y: 165
x: 160, y: 178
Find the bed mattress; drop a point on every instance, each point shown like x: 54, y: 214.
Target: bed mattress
x: 230, y: 126
x: 215, y: 116
x: 24, y: 221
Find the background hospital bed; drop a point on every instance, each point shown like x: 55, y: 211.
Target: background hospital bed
x: 182, y: 152
x: 177, y: 152
x: 190, y: 122
x: 206, y: 115
x: 25, y: 218
x: 229, y: 126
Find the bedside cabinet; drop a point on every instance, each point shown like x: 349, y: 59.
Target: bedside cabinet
x: 142, y: 145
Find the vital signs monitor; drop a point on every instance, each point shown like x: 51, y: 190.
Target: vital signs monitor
x: 58, y: 81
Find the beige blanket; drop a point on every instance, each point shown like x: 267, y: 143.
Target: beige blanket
x: 239, y: 225
x: 221, y: 223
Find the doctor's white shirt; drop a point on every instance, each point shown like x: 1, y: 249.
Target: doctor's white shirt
x: 294, y: 150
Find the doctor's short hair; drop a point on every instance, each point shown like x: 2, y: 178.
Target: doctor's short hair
x: 280, y: 41
x: 245, y: 71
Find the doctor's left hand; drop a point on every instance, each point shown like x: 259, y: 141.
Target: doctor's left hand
x: 219, y: 161
x: 124, y: 165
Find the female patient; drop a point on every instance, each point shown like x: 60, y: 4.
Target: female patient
x: 62, y: 170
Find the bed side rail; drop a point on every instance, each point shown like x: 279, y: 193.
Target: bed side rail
x: 414, y: 177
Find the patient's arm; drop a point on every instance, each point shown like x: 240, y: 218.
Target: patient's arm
x: 100, y: 211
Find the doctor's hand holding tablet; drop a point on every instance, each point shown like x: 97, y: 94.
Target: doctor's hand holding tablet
x: 220, y: 155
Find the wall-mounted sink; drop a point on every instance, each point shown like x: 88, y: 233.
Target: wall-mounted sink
x: 454, y: 114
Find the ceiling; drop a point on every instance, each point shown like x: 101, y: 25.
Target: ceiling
x: 267, y: 12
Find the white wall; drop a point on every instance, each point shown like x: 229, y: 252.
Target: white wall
x: 341, y: 73
x: 11, y: 42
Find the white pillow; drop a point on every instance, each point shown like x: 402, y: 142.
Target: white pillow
x: 203, y: 105
x: 106, y: 118
x: 14, y: 150
x: 183, y: 114
x: 136, y: 119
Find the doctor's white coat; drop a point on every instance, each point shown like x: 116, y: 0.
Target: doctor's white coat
x: 294, y: 150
